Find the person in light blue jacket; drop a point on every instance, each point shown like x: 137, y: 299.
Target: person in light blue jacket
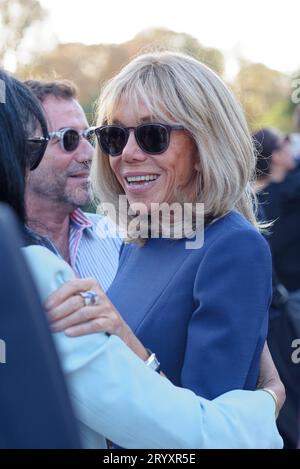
x: 114, y: 394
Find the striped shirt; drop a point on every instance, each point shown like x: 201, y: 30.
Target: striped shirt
x: 94, y: 247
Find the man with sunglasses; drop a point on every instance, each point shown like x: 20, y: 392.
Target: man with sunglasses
x: 61, y: 184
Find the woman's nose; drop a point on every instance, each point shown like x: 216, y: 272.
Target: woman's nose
x: 132, y: 151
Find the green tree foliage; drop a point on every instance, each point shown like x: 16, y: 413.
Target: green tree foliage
x: 263, y: 92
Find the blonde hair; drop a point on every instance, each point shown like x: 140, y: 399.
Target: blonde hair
x: 178, y: 89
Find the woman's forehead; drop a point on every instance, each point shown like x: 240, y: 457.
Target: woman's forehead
x: 138, y: 108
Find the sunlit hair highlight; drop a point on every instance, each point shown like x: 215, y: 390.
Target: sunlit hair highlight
x: 177, y: 89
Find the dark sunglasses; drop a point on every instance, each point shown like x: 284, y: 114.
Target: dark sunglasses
x: 152, y: 138
x: 70, y: 138
x: 37, y: 147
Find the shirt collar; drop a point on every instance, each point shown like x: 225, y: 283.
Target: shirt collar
x: 79, y: 219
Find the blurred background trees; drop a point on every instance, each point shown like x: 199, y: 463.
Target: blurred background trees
x: 89, y: 66
x: 264, y: 93
x: 17, y: 17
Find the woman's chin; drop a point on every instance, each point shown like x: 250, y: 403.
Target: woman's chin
x: 138, y: 207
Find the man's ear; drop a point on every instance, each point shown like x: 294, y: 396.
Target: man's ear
x: 276, y: 157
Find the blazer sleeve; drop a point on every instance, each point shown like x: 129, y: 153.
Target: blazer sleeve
x: 232, y: 293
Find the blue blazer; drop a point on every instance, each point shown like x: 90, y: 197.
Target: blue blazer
x: 204, y: 312
x: 114, y: 394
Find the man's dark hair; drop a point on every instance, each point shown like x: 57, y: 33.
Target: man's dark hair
x: 64, y: 89
x: 20, y: 115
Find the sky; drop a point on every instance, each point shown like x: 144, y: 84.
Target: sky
x: 266, y: 31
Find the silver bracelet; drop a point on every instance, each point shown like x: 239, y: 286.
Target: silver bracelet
x: 152, y: 362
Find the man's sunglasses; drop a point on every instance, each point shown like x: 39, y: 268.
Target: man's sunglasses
x: 37, y: 147
x: 152, y: 138
x: 69, y: 139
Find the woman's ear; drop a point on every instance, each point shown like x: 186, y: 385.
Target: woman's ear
x: 197, y: 166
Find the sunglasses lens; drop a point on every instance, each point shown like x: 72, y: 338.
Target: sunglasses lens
x: 71, y: 140
x: 153, y: 138
x: 112, y: 139
x: 36, y: 149
x: 90, y: 136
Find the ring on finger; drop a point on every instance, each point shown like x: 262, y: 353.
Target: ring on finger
x: 90, y: 298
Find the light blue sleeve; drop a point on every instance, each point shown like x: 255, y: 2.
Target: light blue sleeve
x: 116, y: 395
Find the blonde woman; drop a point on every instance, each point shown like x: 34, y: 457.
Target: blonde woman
x: 170, y: 131
x: 113, y: 393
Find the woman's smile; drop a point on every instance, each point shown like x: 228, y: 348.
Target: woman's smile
x: 140, y: 182
x: 150, y: 178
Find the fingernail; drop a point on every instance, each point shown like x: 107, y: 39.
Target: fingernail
x: 69, y: 331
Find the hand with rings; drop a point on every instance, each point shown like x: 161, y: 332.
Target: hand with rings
x: 81, y: 307
x: 90, y: 298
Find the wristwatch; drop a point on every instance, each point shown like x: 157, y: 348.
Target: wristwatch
x: 152, y: 362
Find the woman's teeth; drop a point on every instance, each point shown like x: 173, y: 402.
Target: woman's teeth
x: 141, y: 179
